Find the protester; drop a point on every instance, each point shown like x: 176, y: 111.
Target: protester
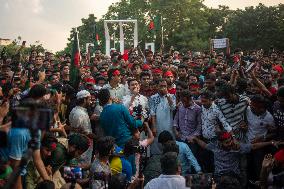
x: 227, y: 154
x: 162, y: 105
x: 79, y: 121
x: 185, y: 155
x: 118, y: 126
x: 170, y: 178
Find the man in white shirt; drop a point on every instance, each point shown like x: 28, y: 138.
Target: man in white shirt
x: 116, y: 89
x: 170, y: 177
x: 212, y: 121
x: 137, y: 104
x: 162, y: 106
x: 260, y: 122
x: 80, y: 122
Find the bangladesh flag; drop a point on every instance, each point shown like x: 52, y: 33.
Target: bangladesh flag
x: 155, y: 24
x: 97, y: 37
x: 151, y: 25
x: 75, y: 64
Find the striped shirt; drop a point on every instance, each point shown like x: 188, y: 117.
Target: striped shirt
x: 234, y: 113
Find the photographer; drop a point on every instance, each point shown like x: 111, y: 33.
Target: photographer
x: 18, y: 139
x: 100, y: 169
x: 141, y: 155
x: 65, y: 154
x: 48, y: 144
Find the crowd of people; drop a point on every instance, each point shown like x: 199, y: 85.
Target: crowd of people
x: 148, y: 120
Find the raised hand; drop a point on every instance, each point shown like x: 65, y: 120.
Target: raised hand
x: 268, y: 161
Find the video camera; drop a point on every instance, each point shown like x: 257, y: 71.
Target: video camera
x: 137, y: 111
x: 143, y: 159
x: 32, y: 115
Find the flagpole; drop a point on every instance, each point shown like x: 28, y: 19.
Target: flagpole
x: 162, y: 31
x: 77, y: 35
x: 114, y: 40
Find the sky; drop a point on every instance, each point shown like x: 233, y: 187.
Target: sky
x: 50, y: 21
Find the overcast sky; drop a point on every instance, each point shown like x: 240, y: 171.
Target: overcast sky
x: 50, y: 21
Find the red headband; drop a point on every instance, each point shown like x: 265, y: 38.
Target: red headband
x: 194, y: 86
x: 210, y: 70
x: 90, y: 80
x: 168, y: 74
x: 279, y: 156
x: 86, y: 67
x: 116, y: 73
x: 53, y: 146
x: 157, y: 71
x: 278, y: 68
x: 145, y: 67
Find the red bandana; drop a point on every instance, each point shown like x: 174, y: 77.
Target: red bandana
x: 279, y: 156
x: 90, y: 80
x: 168, y: 74
x: 157, y: 71
x: 194, y: 86
x: 145, y: 67
x: 116, y: 73
x: 53, y: 146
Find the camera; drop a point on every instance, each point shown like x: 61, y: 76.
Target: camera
x: 143, y: 159
x: 137, y: 111
x: 32, y: 115
x: 140, y: 149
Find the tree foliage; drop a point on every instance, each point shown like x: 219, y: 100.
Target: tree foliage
x: 189, y: 24
x: 12, y: 49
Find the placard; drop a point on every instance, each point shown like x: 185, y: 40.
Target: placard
x: 219, y: 43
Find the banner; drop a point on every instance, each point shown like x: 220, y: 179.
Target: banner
x: 219, y: 43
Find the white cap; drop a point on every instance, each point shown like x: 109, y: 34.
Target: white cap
x: 83, y: 94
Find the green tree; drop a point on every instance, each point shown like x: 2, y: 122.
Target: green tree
x: 188, y: 24
x: 256, y: 27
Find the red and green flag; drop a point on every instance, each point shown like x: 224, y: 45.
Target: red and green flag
x: 151, y: 25
x: 155, y: 24
x: 75, y: 64
x: 97, y: 37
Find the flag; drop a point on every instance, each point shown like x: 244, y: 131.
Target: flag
x: 151, y: 25
x: 97, y: 37
x: 155, y: 24
x: 75, y: 64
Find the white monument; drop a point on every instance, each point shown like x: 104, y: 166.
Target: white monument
x: 121, y: 36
